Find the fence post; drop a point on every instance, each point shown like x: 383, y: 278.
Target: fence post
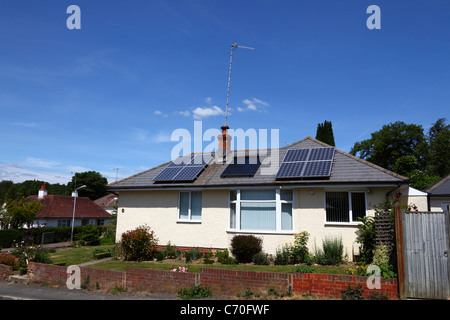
x: 400, y: 251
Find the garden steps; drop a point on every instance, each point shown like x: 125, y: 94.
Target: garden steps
x: 19, y: 278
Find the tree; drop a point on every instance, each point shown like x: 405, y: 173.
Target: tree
x: 325, y: 134
x: 19, y: 212
x: 390, y: 143
x: 94, y: 181
x: 439, y: 148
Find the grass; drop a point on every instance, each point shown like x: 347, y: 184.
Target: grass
x: 72, y: 256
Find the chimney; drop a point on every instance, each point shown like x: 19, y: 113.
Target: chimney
x: 224, y: 145
x: 43, y: 192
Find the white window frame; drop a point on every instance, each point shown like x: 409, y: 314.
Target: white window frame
x: 278, y: 205
x: 350, y: 211
x: 189, y: 219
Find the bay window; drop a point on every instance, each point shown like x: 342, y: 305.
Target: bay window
x: 261, y: 210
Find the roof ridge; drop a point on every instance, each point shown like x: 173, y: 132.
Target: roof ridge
x: 437, y: 184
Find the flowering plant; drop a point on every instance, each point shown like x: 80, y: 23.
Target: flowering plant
x: 180, y: 269
x: 139, y: 244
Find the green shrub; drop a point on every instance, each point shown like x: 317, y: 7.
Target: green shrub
x: 303, y: 269
x: 89, y: 234
x: 244, y: 247
x: 299, y: 250
x: 102, y: 255
x: 283, y: 255
x: 352, y: 293
x: 139, y: 244
x: 332, y: 252
x: 194, y: 292
x: 160, y: 255
x: 223, y: 257
x: 261, y: 258
x: 171, y: 251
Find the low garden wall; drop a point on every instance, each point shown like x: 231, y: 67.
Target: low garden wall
x: 221, y: 282
x: 5, y: 272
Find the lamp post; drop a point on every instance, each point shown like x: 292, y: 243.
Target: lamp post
x: 75, y: 195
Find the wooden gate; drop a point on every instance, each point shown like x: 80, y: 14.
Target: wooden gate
x: 423, y: 254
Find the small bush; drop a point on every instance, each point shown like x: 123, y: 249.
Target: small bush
x: 303, y: 269
x: 8, y: 259
x: 102, y: 255
x: 89, y: 234
x: 195, y: 292
x: 160, y: 255
x: 282, y: 255
x: 9, y: 236
x: 244, y: 247
x: 261, y: 258
x: 332, y: 252
x: 139, y: 244
x: 352, y: 293
x: 223, y: 257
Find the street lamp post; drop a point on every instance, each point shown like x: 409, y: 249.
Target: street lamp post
x: 75, y: 195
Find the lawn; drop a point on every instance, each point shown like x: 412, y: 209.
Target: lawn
x: 72, y: 256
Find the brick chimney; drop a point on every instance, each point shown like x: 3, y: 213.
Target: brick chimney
x: 224, y: 145
x: 43, y: 192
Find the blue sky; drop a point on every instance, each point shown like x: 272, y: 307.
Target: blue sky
x: 110, y: 95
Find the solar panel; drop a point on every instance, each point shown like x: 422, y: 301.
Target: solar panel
x: 296, y: 155
x: 242, y: 167
x: 291, y: 169
x: 317, y: 169
x: 314, y: 162
x: 184, y: 168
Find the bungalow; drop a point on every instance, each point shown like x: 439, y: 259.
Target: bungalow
x: 315, y: 188
x: 439, y: 195
x: 57, y: 211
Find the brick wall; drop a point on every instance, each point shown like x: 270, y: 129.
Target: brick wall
x: 330, y: 285
x: 232, y: 282
x: 161, y: 281
x: 5, y: 271
x: 221, y: 282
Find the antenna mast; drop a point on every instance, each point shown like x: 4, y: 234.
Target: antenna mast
x: 233, y: 46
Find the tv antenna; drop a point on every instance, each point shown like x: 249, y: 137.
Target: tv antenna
x: 233, y: 47
x: 117, y: 172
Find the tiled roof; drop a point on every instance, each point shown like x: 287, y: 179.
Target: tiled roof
x: 62, y: 207
x: 107, y: 201
x: 346, y: 169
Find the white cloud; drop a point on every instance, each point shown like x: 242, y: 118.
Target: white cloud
x: 41, y: 163
x: 77, y: 169
x: 253, y: 104
x: 157, y: 112
x: 18, y: 174
x: 200, y: 112
x: 186, y: 113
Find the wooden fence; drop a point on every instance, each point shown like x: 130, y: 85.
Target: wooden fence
x: 422, y: 240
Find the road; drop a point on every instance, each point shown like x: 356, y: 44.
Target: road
x: 19, y: 291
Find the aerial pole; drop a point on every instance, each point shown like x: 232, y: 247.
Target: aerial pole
x: 233, y: 47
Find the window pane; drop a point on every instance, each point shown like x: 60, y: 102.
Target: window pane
x: 232, y: 215
x: 286, y: 216
x: 196, y: 205
x: 258, y: 216
x: 358, y: 205
x: 184, y: 205
x: 233, y: 195
x: 337, y: 207
x: 257, y: 194
x: 286, y: 195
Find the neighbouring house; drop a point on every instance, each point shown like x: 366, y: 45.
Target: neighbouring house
x: 57, y: 211
x: 108, y: 202
x: 310, y: 186
x: 439, y: 195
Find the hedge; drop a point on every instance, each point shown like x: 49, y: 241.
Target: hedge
x: 7, y: 237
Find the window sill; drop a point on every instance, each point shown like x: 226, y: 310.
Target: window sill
x: 190, y: 221
x: 287, y: 232
x: 343, y: 224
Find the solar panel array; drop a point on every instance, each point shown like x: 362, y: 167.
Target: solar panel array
x: 242, y: 167
x: 185, y: 168
x: 299, y: 163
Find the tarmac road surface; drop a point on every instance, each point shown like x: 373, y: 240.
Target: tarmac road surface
x: 19, y: 291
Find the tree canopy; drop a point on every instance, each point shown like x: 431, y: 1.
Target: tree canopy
x: 407, y: 150
x: 95, y: 184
